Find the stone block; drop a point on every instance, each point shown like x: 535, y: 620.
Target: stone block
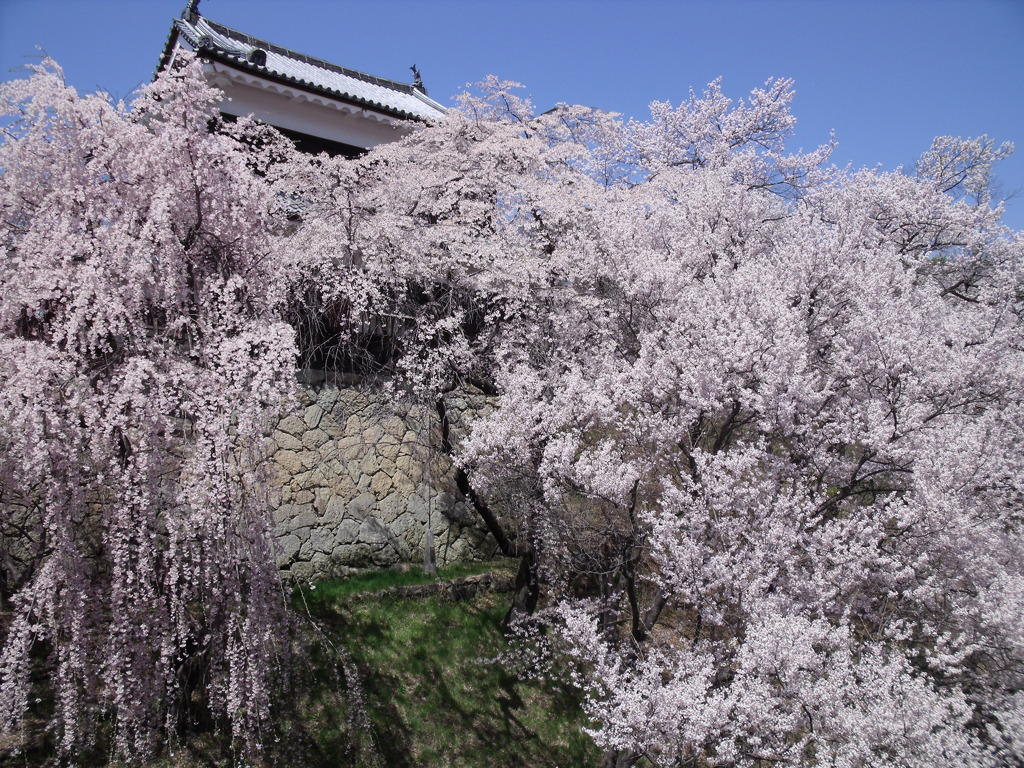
x: 312, y: 416
x: 370, y: 464
x: 373, y: 532
x: 417, y: 506
x: 393, y: 425
x: 327, y: 397
x: 290, y: 462
x: 381, y: 485
x: 331, y: 466
x: 305, y: 518
x: 277, y: 475
x: 385, y: 556
x: 342, y: 485
x: 372, y: 434
x: 348, y: 442
x: 292, y: 425
x: 403, y: 524
x: 315, y: 478
x: 285, y: 515
x: 287, y: 549
x: 321, y: 540
x: 391, y: 508
x: 347, y: 531
x: 335, y: 510
x: 286, y: 441
x: 302, y: 572
x: 403, y: 484
x: 321, y: 497
x: 354, y: 555
x: 332, y: 428
x: 328, y: 451
x: 409, y: 465
x: 303, y: 496
x: 461, y: 513
x: 361, y: 505
x: 352, y: 399
x: 389, y: 450
x: 303, y: 481
x: 275, y: 496
x: 313, y: 439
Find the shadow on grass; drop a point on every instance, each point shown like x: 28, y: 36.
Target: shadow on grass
x: 435, y: 698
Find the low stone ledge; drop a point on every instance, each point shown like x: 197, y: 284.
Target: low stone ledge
x: 463, y: 588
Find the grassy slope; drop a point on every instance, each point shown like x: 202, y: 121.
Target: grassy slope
x: 433, y: 695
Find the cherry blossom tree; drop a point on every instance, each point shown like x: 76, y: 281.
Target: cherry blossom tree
x: 414, y: 262
x: 142, y: 350
x: 758, y: 419
x: 775, y: 421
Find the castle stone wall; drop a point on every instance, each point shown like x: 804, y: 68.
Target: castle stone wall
x: 361, y: 479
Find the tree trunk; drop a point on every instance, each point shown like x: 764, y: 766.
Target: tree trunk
x: 527, y: 592
x: 619, y: 758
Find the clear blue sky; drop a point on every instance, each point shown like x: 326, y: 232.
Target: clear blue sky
x: 886, y: 76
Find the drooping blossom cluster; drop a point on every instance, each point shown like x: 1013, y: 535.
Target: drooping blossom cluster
x: 142, y: 352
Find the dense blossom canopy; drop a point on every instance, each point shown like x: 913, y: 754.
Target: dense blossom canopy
x: 758, y: 422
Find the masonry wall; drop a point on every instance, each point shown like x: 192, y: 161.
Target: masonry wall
x: 361, y: 480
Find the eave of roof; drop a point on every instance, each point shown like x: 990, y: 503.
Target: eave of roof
x: 237, y: 56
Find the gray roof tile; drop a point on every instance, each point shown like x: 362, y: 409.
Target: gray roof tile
x: 388, y: 96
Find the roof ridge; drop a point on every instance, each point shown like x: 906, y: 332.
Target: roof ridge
x: 427, y: 100
x: 256, y: 42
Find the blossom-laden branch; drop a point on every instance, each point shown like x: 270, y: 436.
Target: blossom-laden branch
x: 142, y: 352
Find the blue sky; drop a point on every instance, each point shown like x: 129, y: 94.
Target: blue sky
x: 885, y: 76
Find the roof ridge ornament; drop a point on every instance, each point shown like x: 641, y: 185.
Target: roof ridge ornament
x: 418, y: 82
x: 191, y: 11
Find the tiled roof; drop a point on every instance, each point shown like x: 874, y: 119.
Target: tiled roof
x: 305, y: 72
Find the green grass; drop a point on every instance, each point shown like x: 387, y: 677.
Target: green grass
x: 433, y: 693
x: 328, y: 592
